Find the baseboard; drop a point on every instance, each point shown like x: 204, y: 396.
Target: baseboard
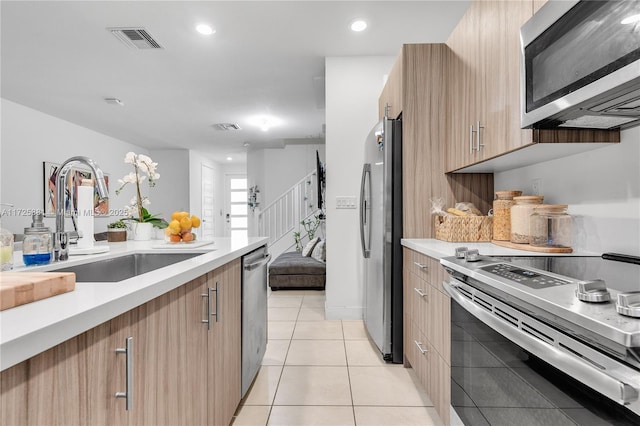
x: 344, y: 313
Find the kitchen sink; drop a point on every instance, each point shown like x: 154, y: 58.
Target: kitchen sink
x: 124, y: 267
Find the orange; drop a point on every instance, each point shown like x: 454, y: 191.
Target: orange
x: 175, y: 238
x: 167, y: 231
x: 183, y: 215
x: 175, y: 216
x: 195, y: 221
x: 174, y: 226
x: 187, y: 236
x: 185, y: 223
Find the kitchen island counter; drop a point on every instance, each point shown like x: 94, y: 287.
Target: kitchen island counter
x: 30, y: 329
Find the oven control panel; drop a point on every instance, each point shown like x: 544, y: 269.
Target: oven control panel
x: 524, y: 276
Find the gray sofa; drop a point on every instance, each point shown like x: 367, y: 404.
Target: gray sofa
x: 292, y: 271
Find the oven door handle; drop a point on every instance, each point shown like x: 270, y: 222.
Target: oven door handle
x: 621, y: 392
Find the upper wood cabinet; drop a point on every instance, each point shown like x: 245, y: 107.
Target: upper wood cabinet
x: 484, y: 100
x: 391, y: 96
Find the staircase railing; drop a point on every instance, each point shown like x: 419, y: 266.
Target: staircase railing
x: 283, y: 216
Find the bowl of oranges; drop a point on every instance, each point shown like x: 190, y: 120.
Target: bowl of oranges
x: 181, y: 227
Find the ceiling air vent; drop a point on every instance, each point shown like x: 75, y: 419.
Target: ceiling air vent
x: 226, y: 126
x: 135, y: 38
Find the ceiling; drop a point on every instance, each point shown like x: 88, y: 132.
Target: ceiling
x: 265, y: 58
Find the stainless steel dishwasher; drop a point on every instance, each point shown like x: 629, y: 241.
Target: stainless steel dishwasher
x: 254, y: 313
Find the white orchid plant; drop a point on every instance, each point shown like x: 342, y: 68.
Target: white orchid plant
x: 144, y: 169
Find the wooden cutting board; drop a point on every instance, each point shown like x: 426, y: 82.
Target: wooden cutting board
x: 18, y: 288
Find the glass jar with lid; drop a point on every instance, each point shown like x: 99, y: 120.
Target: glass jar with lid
x: 520, y: 214
x: 37, y: 245
x: 502, y: 214
x: 551, y: 226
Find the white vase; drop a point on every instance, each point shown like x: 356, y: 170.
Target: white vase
x: 142, y: 231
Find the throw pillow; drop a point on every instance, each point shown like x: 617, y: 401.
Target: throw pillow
x: 319, y: 252
x: 306, y: 251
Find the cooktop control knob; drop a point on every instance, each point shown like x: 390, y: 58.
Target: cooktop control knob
x: 593, y: 291
x: 629, y: 304
x: 472, y: 256
x: 461, y: 252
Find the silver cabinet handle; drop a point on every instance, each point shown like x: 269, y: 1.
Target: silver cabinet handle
x: 421, y: 266
x: 217, y: 292
x: 128, y: 393
x: 419, y: 345
x: 420, y: 292
x: 208, y: 315
x: 471, y: 132
x: 480, y: 144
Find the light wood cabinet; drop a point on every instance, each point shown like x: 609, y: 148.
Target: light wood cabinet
x: 183, y: 373
x: 484, y: 96
x: 390, y: 100
x: 427, y: 345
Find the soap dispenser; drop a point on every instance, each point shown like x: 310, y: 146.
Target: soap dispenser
x: 6, y: 250
x: 38, y: 243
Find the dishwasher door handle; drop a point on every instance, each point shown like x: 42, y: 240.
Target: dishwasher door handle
x: 254, y: 265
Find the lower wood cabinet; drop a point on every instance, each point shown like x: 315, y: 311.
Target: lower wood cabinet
x: 427, y: 325
x: 184, y: 370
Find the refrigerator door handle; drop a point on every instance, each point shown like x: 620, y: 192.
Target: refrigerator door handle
x: 366, y: 177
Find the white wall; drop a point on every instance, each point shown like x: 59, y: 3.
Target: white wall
x: 602, y: 189
x: 30, y: 137
x: 171, y: 192
x: 353, y: 86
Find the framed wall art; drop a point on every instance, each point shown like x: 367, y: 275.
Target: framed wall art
x: 74, y: 179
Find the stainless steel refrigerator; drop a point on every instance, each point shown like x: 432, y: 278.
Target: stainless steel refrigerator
x: 380, y: 234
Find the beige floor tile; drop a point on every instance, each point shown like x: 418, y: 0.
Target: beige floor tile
x: 311, y: 314
x: 354, y: 330
x: 264, y: 386
x: 363, y: 353
x: 316, y: 352
x: 405, y: 416
x: 285, y: 302
x: 252, y: 415
x: 313, y: 386
x: 311, y: 416
x: 321, y: 330
x: 280, y: 329
x: 401, y: 387
x: 283, y: 314
x: 276, y: 352
x: 313, y: 301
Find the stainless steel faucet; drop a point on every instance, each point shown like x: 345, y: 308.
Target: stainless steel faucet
x: 61, y: 238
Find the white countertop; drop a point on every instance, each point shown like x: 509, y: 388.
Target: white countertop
x: 439, y: 249
x: 29, y: 329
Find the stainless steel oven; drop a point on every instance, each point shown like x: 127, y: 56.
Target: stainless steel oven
x: 527, y: 350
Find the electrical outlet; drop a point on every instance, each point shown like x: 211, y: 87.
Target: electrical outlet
x: 536, y: 186
x: 345, y: 202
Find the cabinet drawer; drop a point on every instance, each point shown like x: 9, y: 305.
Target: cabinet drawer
x: 421, y: 265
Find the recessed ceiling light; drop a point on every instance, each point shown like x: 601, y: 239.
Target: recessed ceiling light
x: 205, y: 29
x: 358, y: 25
x: 264, y: 122
x: 631, y: 20
x: 229, y: 158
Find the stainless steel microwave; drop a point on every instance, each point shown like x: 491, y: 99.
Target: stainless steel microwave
x: 580, y: 65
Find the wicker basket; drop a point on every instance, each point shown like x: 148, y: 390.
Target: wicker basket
x: 464, y: 229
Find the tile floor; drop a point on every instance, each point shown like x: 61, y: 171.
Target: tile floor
x: 319, y: 372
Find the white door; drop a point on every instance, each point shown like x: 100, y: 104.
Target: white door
x: 207, y: 215
x: 236, y: 206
